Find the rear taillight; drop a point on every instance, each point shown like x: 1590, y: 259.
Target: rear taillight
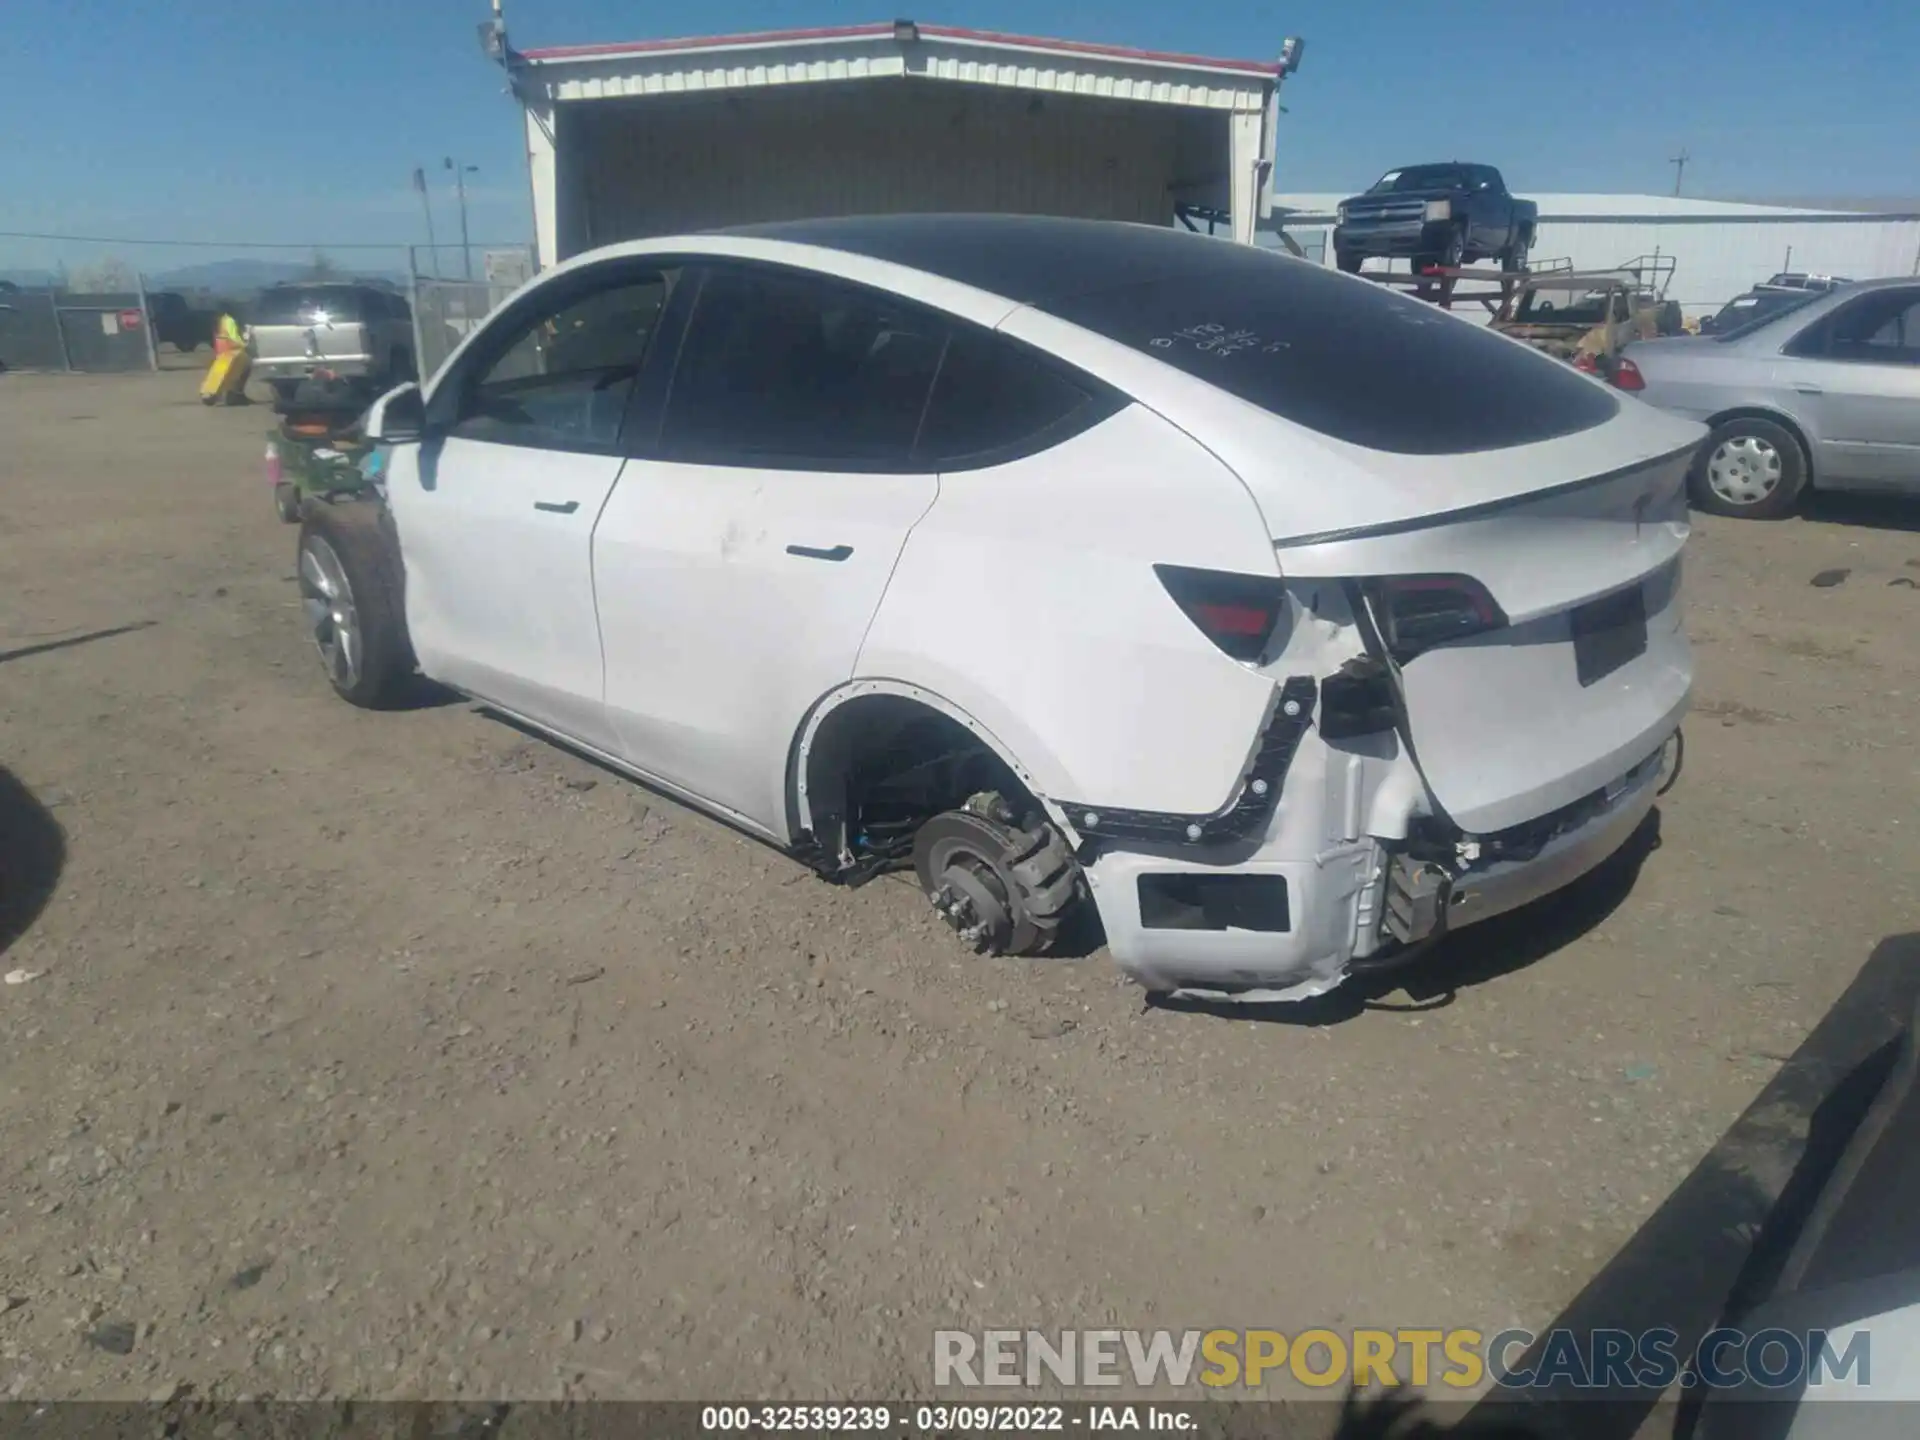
x: 1627, y: 375
x: 1238, y: 613
x: 273, y: 463
x: 1417, y: 612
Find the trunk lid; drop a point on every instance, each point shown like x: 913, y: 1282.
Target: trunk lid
x: 1589, y: 674
x: 310, y: 324
x: 313, y: 344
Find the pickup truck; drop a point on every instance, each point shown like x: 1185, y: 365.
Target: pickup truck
x: 1447, y: 215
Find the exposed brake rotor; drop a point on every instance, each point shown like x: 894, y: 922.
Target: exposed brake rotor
x: 1000, y: 888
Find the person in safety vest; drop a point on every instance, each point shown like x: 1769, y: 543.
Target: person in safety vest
x: 226, y: 380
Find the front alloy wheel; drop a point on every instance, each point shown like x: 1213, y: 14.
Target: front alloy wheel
x: 332, y: 619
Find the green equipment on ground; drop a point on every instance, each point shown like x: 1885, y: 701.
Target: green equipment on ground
x: 318, y: 457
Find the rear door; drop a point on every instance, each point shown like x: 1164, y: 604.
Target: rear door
x: 748, y: 544
x: 1856, y: 375
x: 496, y: 508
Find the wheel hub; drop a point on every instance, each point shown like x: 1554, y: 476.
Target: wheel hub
x: 1744, y: 469
x: 331, y: 617
x: 974, y: 905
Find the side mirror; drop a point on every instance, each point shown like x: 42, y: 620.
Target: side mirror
x: 398, y: 417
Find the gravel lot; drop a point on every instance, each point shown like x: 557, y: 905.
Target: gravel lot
x: 402, y: 1055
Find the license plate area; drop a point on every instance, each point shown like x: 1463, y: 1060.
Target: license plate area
x: 1609, y: 632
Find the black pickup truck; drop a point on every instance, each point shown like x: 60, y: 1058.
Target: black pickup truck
x: 1451, y: 214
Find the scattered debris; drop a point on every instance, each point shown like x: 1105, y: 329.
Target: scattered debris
x: 1827, y: 579
x: 1903, y: 580
x: 251, y: 1276
x: 1258, y: 1212
x: 581, y: 784
x: 11, y: 1303
x: 166, y: 1394
x: 116, y: 1337
x: 586, y: 977
x: 1639, y: 1072
x: 21, y: 977
x: 1050, y: 1029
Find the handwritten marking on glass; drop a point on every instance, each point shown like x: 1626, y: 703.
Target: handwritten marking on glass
x: 1218, y: 341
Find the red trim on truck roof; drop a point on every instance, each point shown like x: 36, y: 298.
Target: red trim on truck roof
x: 877, y: 30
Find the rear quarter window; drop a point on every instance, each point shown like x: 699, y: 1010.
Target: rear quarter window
x: 300, y: 304
x: 994, y: 401
x: 1345, y: 358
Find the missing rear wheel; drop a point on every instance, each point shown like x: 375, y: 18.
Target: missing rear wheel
x: 1002, y: 887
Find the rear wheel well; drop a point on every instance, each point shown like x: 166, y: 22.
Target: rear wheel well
x: 880, y: 766
x: 1773, y: 417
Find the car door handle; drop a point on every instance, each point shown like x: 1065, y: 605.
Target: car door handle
x: 554, y: 507
x: 813, y: 552
x: 1805, y: 388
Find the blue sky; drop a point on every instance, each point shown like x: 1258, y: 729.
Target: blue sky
x: 301, y: 120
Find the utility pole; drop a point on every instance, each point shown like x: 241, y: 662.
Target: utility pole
x: 460, y: 173
x: 1679, y: 163
x: 426, y: 204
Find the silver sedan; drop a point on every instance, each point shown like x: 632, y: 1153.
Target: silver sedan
x: 1825, y: 393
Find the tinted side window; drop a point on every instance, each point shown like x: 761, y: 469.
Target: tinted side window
x: 788, y: 371
x: 562, y: 381
x: 994, y: 401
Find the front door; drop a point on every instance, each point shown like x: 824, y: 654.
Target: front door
x: 496, y: 507
x: 1856, y: 375
x: 743, y: 554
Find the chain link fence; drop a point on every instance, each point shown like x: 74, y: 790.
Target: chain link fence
x: 52, y: 329
x: 445, y: 312
x: 75, y: 304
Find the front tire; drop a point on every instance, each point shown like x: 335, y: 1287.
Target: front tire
x: 1750, y: 468
x: 352, y: 596
x: 1455, y: 253
x: 286, y: 502
x: 1348, y: 261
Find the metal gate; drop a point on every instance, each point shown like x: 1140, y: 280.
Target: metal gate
x: 62, y: 330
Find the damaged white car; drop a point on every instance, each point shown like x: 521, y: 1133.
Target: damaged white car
x: 1287, y: 620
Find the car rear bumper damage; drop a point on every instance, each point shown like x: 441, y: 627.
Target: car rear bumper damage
x: 1279, y: 922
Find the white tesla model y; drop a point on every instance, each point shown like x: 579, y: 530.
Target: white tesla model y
x: 1289, y: 621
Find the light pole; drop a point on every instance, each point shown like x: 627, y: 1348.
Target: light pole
x: 460, y: 173
x: 426, y: 204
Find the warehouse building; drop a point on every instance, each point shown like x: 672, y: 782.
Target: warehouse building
x: 626, y: 140
x: 1718, y: 248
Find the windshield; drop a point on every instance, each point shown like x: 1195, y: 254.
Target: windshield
x: 1423, y: 177
x: 304, y: 304
x: 1564, y: 307
x: 1732, y: 323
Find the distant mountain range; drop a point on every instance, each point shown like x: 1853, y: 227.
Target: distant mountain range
x: 239, y: 276
x: 236, y: 277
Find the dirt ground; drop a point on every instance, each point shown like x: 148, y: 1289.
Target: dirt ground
x: 400, y: 1055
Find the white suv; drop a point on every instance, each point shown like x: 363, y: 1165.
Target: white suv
x: 1291, y: 620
